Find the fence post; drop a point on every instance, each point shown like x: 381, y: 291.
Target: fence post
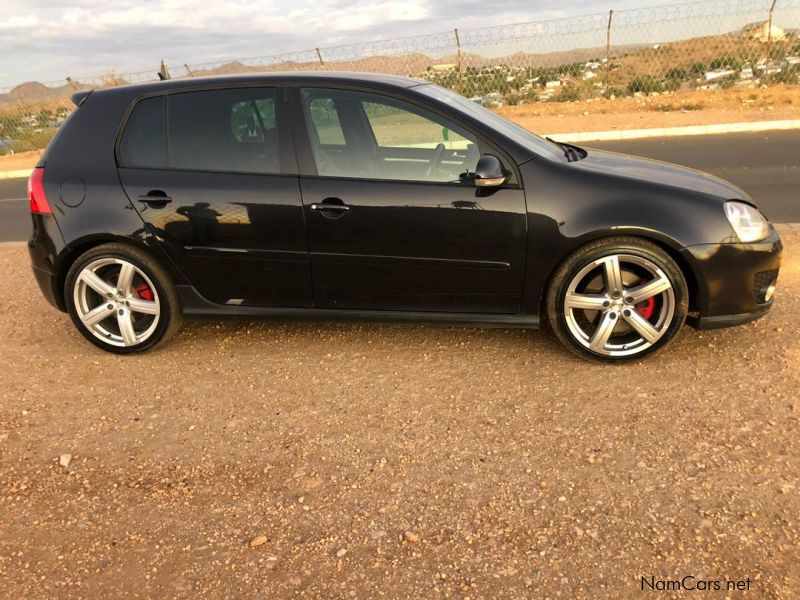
x: 608, y: 51
x: 188, y: 70
x: 71, y: 83
x: 163, y: 71
x: 458, y: 62
x: 769, y: 42
x: 319, y: 56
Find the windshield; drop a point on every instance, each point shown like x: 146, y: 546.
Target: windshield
x: 520, y: 135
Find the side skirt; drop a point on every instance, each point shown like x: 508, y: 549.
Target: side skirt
x: 195, y: 305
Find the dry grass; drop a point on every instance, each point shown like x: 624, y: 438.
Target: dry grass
x: 718, y: 100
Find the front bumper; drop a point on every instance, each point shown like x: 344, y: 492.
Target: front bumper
x: 733, y: 280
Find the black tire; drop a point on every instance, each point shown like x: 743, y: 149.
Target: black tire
x: 574, y: 265
x: 170, y: 317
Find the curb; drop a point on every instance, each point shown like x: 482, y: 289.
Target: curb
x: 635, y: 134
x: 15, y: 174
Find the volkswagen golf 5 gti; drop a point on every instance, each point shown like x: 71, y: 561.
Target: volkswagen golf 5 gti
x: 325, y: 195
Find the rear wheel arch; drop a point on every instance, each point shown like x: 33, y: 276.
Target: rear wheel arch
x: 77, y: 249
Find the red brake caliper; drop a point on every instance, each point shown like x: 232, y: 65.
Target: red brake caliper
x: 144, y: 292
x: 647, y: 307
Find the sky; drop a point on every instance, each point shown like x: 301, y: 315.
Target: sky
x: 47, y: 40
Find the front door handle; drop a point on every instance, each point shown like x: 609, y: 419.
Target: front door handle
x: 330, y: 207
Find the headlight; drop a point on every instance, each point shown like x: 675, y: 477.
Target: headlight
x: 749, y: 224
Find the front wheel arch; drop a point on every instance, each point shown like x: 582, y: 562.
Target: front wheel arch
x: 667, y: 244
x: 571, y: 327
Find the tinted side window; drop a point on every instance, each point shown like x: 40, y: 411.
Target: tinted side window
x: 369, y: 136
x: 326, y: 121
x: 224, y: 130
x: 143, y: 143
x: 400, y: 128
x: 252, y: 120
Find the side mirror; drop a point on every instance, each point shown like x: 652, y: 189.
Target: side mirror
x: 489, y: 172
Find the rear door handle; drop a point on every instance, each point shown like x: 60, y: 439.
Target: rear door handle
x: 155, y: 199
x: 331, y: 207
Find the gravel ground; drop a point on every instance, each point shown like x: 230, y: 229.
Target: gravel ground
x: 364, y: 461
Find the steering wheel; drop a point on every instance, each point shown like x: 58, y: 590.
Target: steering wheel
x: 436, y: 159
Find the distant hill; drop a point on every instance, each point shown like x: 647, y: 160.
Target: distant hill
x: 33, y: 92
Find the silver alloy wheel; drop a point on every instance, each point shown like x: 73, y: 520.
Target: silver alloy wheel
x: 115, y: 312
x: 603, y: 305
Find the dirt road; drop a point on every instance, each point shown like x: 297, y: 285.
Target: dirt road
x: 393, y: 461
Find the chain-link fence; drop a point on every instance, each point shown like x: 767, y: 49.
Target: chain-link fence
x: 699, y: 45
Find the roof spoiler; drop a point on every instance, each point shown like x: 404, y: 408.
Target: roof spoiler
x: 79, y: 97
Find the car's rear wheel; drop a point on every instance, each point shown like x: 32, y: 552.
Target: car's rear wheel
x: 617, y: 299
x: 121, y: 299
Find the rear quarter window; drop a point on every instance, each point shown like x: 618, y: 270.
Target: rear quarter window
x: 144, y: 142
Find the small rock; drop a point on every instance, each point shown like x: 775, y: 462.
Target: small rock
x: 341, y: 552
x: 257, y: 541
x: 64, y: 460
x: 411, y: 537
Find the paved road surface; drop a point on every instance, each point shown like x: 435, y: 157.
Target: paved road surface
x: 766, y: 165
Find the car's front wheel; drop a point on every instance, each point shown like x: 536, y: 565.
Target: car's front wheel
x: 617, y: 299
x: 121, y: 299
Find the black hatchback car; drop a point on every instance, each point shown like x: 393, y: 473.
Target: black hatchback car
x: 377, y: 197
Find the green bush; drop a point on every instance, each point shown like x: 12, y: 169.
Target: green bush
x: 616, y: 92
x: 726, y: 62
x: 791, y: 74
x: 33, y: 140
x: 568, y: 94
x: 676, y: 73
x: 697, y: 68
x: 645, y: 84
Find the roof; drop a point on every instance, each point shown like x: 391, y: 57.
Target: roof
x: 297, y: 77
